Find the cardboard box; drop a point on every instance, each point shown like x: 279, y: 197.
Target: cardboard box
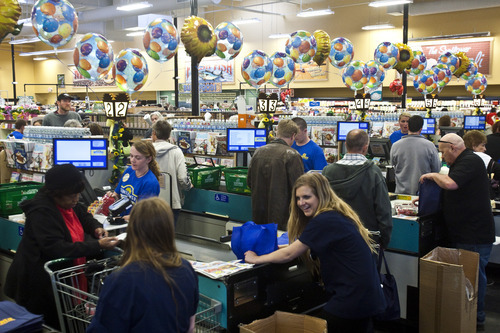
x: 284, y: 322
x: 448, y: 291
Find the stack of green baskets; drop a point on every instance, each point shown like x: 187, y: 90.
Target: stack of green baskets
x: 11, y: 195
x: 236, y: 180
x: 204, y: 176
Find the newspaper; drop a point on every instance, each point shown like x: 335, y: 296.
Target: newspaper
x: 218, y: 269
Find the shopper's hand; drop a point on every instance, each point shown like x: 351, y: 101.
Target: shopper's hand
x: 108, y: 243
x: 100, y: 233
x: 251, y: 257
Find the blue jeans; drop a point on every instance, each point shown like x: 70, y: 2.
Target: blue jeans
x: 484, y: 251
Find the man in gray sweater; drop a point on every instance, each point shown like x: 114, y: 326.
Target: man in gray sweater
x: 413, y: 156
x: 63, y: 113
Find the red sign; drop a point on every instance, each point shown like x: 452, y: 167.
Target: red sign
x: 478, y: 51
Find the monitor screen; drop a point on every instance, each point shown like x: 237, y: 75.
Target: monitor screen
x: 380, y: 147
x: 83, y: 153
x: 344, y: 127
x: 241, y: 139
x: 429, y: 126
x: 474, y: 123
x: 451, y: 129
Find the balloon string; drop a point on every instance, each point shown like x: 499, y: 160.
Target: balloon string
x: 151, y: 81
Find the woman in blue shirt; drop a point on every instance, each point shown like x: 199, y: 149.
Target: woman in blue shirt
x: 155, y: 290
x: 140, y: 180
x: 324, y: 226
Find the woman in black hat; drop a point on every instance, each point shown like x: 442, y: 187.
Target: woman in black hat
x: 56, y: 226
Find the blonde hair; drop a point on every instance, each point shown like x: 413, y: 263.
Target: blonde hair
x: 404, y: 114
x: 147, y: 149
x: 327, y: 201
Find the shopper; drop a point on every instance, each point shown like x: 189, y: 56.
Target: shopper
x: 19, y: 132
x: 140, y: 180
x: 273, y: 170
x: 63, y: 113
x: 171, y: 160
x: 155, y: 290
x: 73, y: 123
x: 56, y: 227
x: 404, y: 117
x: 493, y: 142
x: 155, y: 116
x: 324, y: 225
x: 466, y: 207
x: 412, y: 156
x: 95, y: 129
x: 312, y: 155
x: 360, y: 183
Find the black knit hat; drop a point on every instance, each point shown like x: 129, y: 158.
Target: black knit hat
x: 63, y: 176
x: 64, y: 96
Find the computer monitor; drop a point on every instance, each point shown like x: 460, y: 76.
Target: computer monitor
x: 451, y: 129
x: 380, y: 147
x: 344, y: 127
x: 83, y: 153
x: 429, y: 126
x: 243, y: 139
x: 474, y: 123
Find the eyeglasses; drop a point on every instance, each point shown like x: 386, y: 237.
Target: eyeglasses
x: 451, y: 143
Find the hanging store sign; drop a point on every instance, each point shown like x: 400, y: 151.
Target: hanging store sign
x: 478, y: 50
x: 204, y: 87
x: 267, y: 103
x: 212, y: 69
x: 115, y: 106
x: 431, y: 101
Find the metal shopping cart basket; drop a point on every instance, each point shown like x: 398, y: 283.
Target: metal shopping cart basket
x: 76, y: 308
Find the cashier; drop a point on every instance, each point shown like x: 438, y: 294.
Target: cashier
x: 56, y: 227
x: 324, y: 226
x: 140, y: 179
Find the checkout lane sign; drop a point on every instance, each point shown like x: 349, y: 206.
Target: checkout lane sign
x: 221, y: 197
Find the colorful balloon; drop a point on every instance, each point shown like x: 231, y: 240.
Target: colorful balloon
x: 425, y: 83
x: 161, y: 40
x: 93, y: 56
x: 256, y: 68
x: 450, y: 60
x: 386, y: 54
x: 229, y: 41
x: 55, y: 22
x: 301, y: 46
x: 283, y: 69
x: 471, y: 71
x: 131, y: 70
x: 374, y: 73
x: 341, y: 52
x: 443, y: 75
x: 418, y: 64
x: 477, y: 84
x: 353, y: 76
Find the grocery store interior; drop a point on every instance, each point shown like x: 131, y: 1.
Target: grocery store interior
x: 451, y: 70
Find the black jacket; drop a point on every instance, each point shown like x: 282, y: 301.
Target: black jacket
x: 45, y: 238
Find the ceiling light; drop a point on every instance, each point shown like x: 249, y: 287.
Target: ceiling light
x: 134, y: 6
x: 454, y: 36
x: 311, y: 13
x: 24, y: 40
x: 378, y: 26
x: 135, y: 33
x: 277, y: 36
x: 135, y: 29
x: 27, y: 54
x: 386, y: 3
x: 246, y: 21
x: 40, y: 58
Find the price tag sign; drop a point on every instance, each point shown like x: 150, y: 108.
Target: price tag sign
x: 267, y: 103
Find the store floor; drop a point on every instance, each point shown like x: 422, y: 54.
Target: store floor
x: 492, y: 324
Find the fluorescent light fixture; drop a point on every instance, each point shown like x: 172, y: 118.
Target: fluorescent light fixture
x: 314, y: 13
x: 40, y: 58
x: 25, y: 41
x: 27, y: 22
x: 246, y: 21
x: 378, y: 26
x: 135, y: 29
x: 134, y: 6
x: 135, y: 33
x: 27, y: 54
x: 278, y: 36
x: 386, y: 3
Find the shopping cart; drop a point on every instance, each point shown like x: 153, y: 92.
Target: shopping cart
x: 76, y: 308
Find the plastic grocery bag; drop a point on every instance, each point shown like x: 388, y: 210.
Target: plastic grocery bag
x: 260, y: 238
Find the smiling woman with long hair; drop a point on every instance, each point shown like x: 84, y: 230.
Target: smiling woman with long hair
x: 155, y: 290
x: 323, y: 226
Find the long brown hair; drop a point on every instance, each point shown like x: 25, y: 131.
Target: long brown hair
x: 147, y: 149
x: 327, y: 201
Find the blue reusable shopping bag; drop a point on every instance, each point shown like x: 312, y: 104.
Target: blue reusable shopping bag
x: 429, y: 201
x: 260, y: 238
